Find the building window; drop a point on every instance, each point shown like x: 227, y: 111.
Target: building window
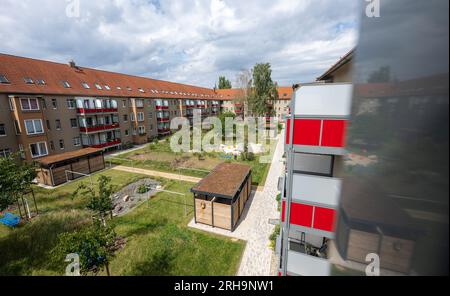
x: 98, y: 86
x: 40, y: 81
x: 140, y: 116
x: 124, y: 103
x: 61, y: 144
x: 85, y: 85
x: 38, y: 149
x: 2, y: 130
x: 54, y: 104
x: 73, y: 123
x: 132, y: 118
x: 66, y: 84
x: 150, y: 115
x: 5, y: 152
x: 77, y: 141
x: 52, y: 145
x: 47, y: 122
x: 29, y: 104
x: 11, y: 104
x: 28, y: 80
x: 127, y: 132
x: 125, y: 117
x: 313, y: 164
x: 58, y: 124
x: 4, y: 80
x: 71, y: 103
x: 141, y: 130
x: 107, y: 87
x: 34, y: 126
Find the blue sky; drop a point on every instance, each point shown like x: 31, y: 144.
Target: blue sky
x: 184, y: 41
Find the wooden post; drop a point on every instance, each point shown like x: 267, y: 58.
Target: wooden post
x: 34, y: 200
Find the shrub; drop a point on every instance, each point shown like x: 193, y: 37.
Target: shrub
x: 142, y: 189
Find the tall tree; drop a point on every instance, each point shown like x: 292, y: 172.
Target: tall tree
x: 99, y: 201
x: 16, y: 178
x: 264, y: 90
x: 224, y: 83
x: 244, y: 86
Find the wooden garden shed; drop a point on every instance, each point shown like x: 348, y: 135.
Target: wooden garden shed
x: 57, y: 169
x: 220, y: 198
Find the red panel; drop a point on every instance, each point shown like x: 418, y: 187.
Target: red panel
x: 283, y: 211
x: 307, y: 132
x: 333, y: 134
x: 324, y: 219
x: 288, y: 132
x: 301, y: 214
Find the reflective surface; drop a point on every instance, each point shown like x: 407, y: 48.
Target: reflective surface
x: 395, y: 192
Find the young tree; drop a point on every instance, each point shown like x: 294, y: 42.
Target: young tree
x: 99, y: 201
x: 95, y: 245
x: 264, y: 90
x: 224, y: 83
x: 16, y: 178
x: 244, y: 86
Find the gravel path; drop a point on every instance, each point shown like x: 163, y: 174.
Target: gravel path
x: 157, y: 174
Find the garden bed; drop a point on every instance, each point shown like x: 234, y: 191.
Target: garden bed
x: 134, y: 195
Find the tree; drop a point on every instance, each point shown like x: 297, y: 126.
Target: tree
x: 244, y: 86
x: 222, y: 117
x: 98, y: 202
x: 95, y: 245
x: 16, y: 178
x: 224, y: 83
x: 264, y: 90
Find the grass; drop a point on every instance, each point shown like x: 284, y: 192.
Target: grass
x: 158, y: 156
x: 158, y: 240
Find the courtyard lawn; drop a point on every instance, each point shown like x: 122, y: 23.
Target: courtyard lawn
x: 158, y: 241
x: 159, y: 157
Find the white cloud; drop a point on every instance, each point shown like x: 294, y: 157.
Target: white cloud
x: 186, y: 41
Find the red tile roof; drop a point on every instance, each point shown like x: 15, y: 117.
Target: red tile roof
x: 284, y: 93
x: 17, y: 68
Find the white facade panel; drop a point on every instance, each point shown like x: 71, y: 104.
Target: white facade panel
x: 305, y: 265
x: 316, y: 190
x: 324, y: 100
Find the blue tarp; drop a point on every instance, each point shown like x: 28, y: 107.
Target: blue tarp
x: 10, y: 220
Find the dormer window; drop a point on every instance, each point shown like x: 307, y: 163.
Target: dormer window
x: 65, y: 84
x: 28, y: 80
x: 119, y: 88
x: 142, y: 90
x: 107, y: 87
x: 98, y: 86
x: 4, y: 80
x: 40, y: 81
x: 85, y: 85
x: 128, y: 88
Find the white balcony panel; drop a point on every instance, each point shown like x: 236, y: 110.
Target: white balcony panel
x: 316, y: 190
x: 305, y: 265
x: 331, y: 100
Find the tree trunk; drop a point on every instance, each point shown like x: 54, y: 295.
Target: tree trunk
x: 34, y: 200
x: 107, y: 269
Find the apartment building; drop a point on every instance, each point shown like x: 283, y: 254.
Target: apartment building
x: 233, y: 101
x: 49, y: 108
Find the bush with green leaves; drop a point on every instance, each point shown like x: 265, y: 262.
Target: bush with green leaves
x: 142, y: 189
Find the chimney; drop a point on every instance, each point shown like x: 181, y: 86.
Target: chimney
x: 72, y: 64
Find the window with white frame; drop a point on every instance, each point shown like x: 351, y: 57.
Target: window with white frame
x: 61, y: 144
x: 77, y: 141
x: 107, y: 87
x: 40, y: 81
x: 71, y: 104
x: 132, y: 117
x: 140, y: 116
x: 34, y: 126
x: 28, y: 80
x: 98, y: 86
x: 85, y: 85
x: 58, y: 124
x: 29, y: 104
x: 141, y: 130
x: 73, y: 122
x: 66, y: 84
x: 4, y: 80
x: 5, y: 152
x: 38, y: 149
x: 2, y: 130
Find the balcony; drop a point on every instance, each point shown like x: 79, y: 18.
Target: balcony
x: 305, y: 265
x: 162, y: 107
x: 163, y: 119
x: 96, y: 110
x: 108, y: 144
x: 99, y: 128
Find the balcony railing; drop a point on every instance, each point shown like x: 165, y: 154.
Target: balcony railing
x: 306, y: 265
x: 99, y: 128
x: 162, y: 107
x: 96, y: 110
x: 163, y: 119
x: 107, y: 144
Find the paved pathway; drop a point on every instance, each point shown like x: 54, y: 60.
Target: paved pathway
x: 254, y: 226
x: 157, y: 174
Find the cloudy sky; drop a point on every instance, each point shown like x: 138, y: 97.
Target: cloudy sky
x: 184, y: 41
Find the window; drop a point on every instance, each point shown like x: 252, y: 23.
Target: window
x: 150, y: 115
x: 124, y: 103
x: 5, y: 152
x: 34, y: 126
x: 85, y: 85
x: 107, y: 87
x: 54, y: 104
x: 139, y: 103
x: 132, y: 118
x: 47, y: 122
x: 141, y: 130
x: 313, y: 164
x: 29, y: 104
x: 71, y: 103
x: 142, y: 90
x: 98, y: 86
x: 125, y: 117
x: 119, y: 88
x: 11, y: 104
x: 2, y: 130
x: 43, y: 103
x: 58, y: 124
x: 28, y: 80
x: 65, y: 84
x: 61, y: 144
x: 40, y: 81
x: 127, y: 132
x: 140, y: 116
x: 129, y: 88
x: 4, y: 80
x: 52, y: 145
x: 73, y: 123
x: 38, y: 149
x: 77, y: 141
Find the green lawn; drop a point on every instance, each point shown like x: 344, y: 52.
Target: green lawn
x: 158, y: 241
x: 158, y: 156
